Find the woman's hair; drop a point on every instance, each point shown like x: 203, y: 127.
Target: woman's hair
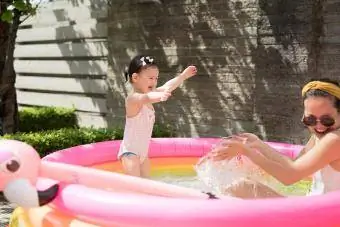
x: 321, y: 93
x: 139, y: 63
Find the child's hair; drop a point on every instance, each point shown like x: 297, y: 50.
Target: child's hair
x: 139, y: 63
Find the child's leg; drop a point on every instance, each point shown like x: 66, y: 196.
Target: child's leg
x: 248, y: 189
x: 145, y: 168
x: 131, y: 164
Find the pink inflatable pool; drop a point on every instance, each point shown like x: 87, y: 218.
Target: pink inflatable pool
x: 92, y: 192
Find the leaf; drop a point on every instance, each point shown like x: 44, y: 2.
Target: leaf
x: 7, y: 16
x: 32, y: 10
x: 20, y: 5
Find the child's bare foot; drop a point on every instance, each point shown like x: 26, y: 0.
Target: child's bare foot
x: 189, y: 71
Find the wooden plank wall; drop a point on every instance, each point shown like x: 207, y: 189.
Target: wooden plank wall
x: 61, y: 59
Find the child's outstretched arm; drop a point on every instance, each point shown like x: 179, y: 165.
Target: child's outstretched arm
x: 178, y: 80
x: 150, y: 97
x: 136, y: 100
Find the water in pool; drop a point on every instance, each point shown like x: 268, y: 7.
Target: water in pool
x: 299, y: 188
x: 213, y: 177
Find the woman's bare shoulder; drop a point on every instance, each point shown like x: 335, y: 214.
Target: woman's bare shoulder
x: 334, y: 134
x: 331, y: 140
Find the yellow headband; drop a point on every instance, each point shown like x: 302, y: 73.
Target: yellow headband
x: 324, y: 86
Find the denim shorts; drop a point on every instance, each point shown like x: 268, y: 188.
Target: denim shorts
x: 128, y: 153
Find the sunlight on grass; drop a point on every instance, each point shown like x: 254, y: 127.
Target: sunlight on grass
x: 299, y: 188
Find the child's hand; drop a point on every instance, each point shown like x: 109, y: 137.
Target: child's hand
x: 189, y: 71
x: 165, y: 95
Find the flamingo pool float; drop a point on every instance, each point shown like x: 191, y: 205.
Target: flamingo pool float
x: 21, y: 168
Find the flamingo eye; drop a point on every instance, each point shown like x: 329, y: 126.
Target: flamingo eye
x: 12, y: 166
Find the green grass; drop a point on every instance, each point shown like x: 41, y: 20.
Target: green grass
x: 299, y: 188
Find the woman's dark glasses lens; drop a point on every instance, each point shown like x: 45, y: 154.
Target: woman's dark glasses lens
x: 325, y: 120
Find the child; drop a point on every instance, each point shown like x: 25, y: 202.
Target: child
x: 140, y: 115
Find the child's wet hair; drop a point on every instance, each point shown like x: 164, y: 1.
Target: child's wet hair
x: 320, y: 93
x: 139, y: 63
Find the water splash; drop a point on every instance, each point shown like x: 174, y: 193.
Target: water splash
x: 220, y: 175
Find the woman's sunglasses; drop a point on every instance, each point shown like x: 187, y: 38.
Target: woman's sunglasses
x: 325, y: 120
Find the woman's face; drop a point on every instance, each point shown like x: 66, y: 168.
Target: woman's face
x: 322, y: 112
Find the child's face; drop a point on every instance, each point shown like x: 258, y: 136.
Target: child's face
x: 146, y: 80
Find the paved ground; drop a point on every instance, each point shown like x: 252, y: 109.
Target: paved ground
x: 5, y: 212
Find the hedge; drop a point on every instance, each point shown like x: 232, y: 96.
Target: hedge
x: 49, y: 129
x: 34, y: 119
x: 49, y: 141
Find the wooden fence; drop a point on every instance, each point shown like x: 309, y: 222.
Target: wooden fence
x: 61, y: 59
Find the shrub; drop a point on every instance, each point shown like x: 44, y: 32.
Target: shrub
x: 48, y: 141
x: 34, y: 119
x: 163, y: 130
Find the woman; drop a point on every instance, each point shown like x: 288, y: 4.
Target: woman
x: 320, y: 156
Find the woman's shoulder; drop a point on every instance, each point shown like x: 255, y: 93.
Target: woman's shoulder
x: 335, y: 133
x: 327, y: 146
x: 333, y: 137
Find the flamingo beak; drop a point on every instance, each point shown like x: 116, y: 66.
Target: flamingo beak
x: 24, y: 194
x: 48, y: 195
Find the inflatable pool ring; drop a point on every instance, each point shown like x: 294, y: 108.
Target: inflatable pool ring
x: 74, y: 188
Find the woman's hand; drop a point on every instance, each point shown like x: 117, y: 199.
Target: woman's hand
x: 228, y: 149
x: 251, y: 140
x: 235, y: 145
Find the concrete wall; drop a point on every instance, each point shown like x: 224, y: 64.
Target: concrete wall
x: 253, y: 57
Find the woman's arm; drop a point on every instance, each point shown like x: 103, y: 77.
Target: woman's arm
x: 309, y: 145
x: 272, y: 154
x: 289, y: 171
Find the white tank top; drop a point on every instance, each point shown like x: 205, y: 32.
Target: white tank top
x: 325, y: 180
x: 138, y: 132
